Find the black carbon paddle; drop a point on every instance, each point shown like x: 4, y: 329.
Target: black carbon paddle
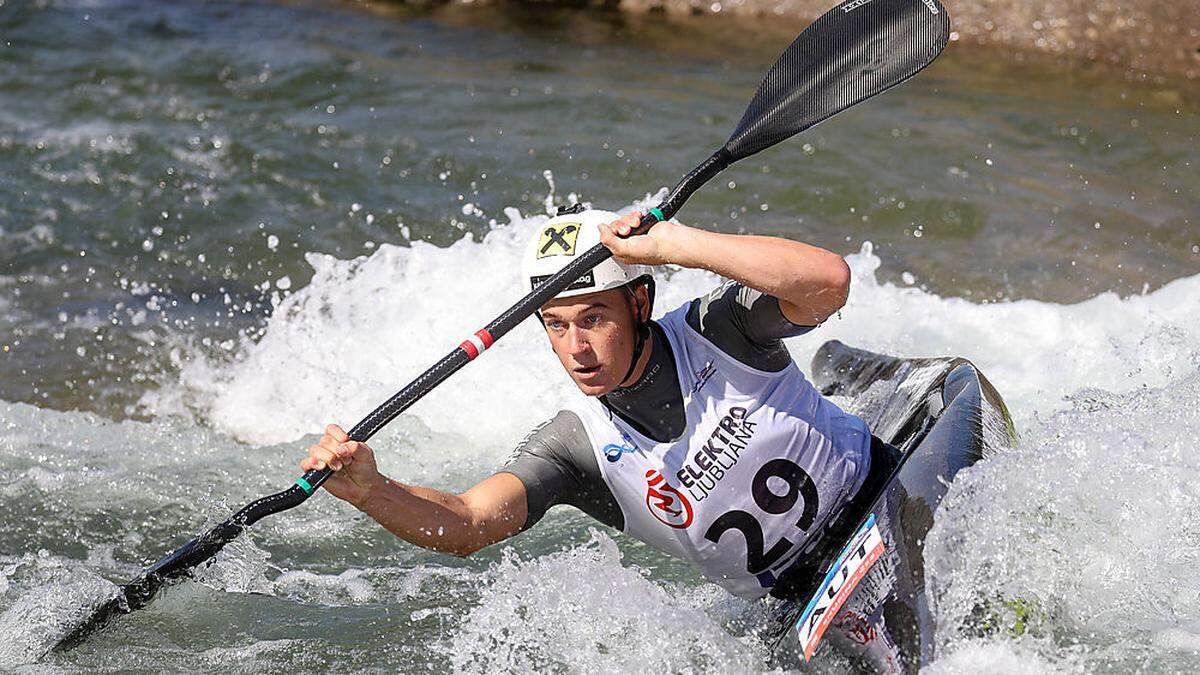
x: 856, y: 50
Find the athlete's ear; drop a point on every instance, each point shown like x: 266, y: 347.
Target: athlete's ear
x: 641, y: 296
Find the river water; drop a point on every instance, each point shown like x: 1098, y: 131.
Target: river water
x: 224, y: 224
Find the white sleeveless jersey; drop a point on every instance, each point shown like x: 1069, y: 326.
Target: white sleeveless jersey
x: 764, y: 464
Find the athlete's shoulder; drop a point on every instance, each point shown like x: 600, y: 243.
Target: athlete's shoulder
x: 746, y: 324
x: 557, y: 465
x: 559, y: 438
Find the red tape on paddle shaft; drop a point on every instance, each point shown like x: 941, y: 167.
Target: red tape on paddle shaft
x: 477, y: 343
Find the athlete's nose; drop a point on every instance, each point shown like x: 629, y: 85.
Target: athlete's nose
x: 577, y: 342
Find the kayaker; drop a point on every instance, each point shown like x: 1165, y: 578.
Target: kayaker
x: 696, y: 433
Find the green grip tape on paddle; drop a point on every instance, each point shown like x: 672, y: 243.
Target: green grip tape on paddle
x: 304, y: 485
x: 657, y: 213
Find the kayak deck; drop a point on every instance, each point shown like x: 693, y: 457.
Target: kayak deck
x: 943, y: 415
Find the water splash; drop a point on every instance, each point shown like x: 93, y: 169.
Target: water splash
x: 1055, y: 535
x: 51, y: 596
x: 410, y: 305
x: 1081, y: 535
x: 581, y: 610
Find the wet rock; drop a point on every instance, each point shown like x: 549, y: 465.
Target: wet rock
x: 1153, y: 38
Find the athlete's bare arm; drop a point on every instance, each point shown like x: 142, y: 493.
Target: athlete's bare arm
x: 459, y: 524
x: 809, y: 282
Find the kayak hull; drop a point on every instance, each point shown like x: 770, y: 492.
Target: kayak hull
x: 943, y: 415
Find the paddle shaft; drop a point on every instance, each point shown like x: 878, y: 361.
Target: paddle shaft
x: 179, y: 563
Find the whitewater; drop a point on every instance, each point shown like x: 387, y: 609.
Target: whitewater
x: 1086, y: 522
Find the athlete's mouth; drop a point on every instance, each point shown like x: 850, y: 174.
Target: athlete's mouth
x: 589, y: 370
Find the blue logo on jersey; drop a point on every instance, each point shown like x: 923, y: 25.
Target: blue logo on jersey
x: 702, y: 376
x: 613, y: 452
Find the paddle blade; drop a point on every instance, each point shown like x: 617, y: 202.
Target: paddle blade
x: 856, y: 50
x: 176, y: 565
x: 139, y: 592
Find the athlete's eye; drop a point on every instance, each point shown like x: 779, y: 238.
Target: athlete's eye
x: 555, y: 325
x: 593, y: 320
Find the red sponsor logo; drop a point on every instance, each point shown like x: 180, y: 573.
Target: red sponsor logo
x: 666, y: 503
x: 856, y: 627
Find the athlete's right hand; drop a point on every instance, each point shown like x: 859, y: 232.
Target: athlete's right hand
x: 356, y: 477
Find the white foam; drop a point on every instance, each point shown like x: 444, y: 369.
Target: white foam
x: 582, y: 611
x: 1036, y: 353
x: 1089, y: 508
x: 364, y: 327
x: 53, y: 597
x: 1087, y: 526
x: 993, y: 658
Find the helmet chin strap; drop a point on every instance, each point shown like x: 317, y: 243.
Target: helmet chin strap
x: 643, y: 334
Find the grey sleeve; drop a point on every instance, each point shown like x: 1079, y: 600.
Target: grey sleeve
x: 746, y: 324
x: 556, y: 464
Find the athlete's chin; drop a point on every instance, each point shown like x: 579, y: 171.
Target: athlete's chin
x: 591, y: 387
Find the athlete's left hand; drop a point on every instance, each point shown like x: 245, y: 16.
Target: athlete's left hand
x: 652, y: 248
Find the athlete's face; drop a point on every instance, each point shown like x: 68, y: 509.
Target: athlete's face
x: 594, y: 335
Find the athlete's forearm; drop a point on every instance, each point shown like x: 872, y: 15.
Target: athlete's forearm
x: 811, y: 283
x: 430, y: 518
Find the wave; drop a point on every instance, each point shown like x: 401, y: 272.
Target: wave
x: 364, y: 327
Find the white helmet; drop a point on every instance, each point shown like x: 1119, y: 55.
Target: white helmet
x: 558, y: 241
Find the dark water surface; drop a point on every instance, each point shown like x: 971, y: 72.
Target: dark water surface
x: 151, y: 152
x: 171, y: 174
